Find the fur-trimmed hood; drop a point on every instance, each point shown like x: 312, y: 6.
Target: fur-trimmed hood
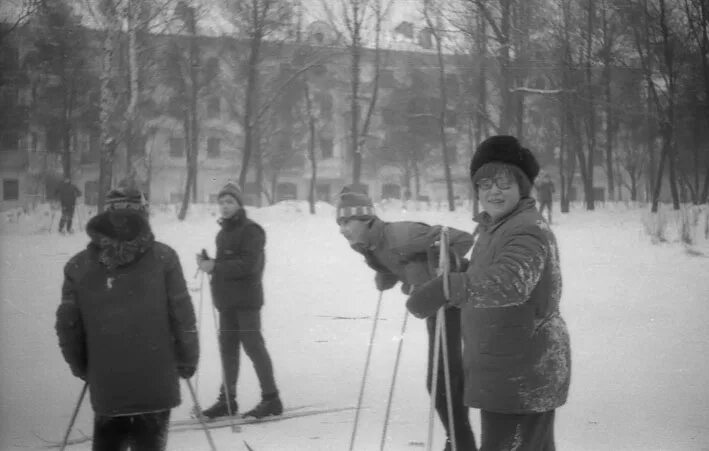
x: 120, y: 237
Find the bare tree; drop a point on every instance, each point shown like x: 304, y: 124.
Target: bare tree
x: 437, y: 32
x: 354, y: 14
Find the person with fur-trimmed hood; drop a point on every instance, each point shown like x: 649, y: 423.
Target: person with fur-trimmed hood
x: 126, y: 325
x: 237, y: 293
x: 516, y: 344
x: 404, y: 252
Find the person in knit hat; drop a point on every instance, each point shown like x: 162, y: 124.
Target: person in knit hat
x: 237, y: 293
x: 67, y: 193
x: 517, y: 354
x: 404, y: 252
x: 126, y: 325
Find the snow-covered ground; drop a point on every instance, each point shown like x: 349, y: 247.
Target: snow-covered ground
x: 638, y: 315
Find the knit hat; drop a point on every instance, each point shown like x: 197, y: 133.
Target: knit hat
x: 354, y: 204
x: 233, y: 190
x: 505, y: 149
x: 126, y: 199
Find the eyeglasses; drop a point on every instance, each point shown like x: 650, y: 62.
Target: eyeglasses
x: 502, y: 182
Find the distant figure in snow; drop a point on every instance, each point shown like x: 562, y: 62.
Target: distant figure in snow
x: 126, y: 326
x: 67, y: 193
x: 237, y: 293
x: 545, y: 191
x: 403, y: 252
x: 517, y: 355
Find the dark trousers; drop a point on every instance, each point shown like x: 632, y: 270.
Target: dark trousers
x: 67, y: 217
x: 143, y: 432
x: 525, y: 432
x: 465, y: 440
x: 547, y: 205
x: 241, y: 327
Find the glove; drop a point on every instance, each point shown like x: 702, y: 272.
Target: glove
x: 457, y: 264
x: 427, y: 299
x: 385, y: 281
x: 185, y: 371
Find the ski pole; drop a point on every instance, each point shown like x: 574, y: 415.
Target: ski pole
x: 199, y: 417
x: 440, y: 341
x: 73, y: 416
x: 434, y: 378
x: 393, y: 379
x: 366, y: 369
x: 444, y: 346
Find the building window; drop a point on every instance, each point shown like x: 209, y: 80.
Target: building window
x: 10, y: 189
x: 452, y: 153
x: 286, y: 191
x: 53, y: 140
x: 326, y: 147
x: 322, y: 192
x: 213, y: 108
x: 91, y: 192
x: 386, y: 78
x: 214, y: 147
x: 451, y: 118
x: 10, y: 58
x: 452, y: 86
x: 177, y: 147
x: 9, y: 140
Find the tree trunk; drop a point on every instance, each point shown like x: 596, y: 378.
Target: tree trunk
x: 250, y: 110
x: 311, y: 146
x: 190, y: 120
x: 587, y: 169
x: 442, y: 114
x: 108, y: 101
x: 481, y: 116
x: 354, y: 105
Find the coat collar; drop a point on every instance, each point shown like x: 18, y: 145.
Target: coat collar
x: 233, y: 221
x: 116, y: 248
x: 486, y: 222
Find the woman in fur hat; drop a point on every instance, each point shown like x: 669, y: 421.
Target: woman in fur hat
x: 516, y: 345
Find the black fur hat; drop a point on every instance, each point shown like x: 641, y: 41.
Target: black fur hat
x: 505, y: 149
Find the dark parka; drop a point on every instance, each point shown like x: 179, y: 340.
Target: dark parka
x: 516, y: 345
x: 399, y: 251
x: 238, y: 266
x: 67, y: 193
x: 126, y: 321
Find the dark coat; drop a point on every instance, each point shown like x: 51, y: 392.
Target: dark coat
x: 545, y: 191
x: 67, y: 193
x: 126, y: 320
x: 399, y: 251
x: 239, y: 264
x: 516, y: 345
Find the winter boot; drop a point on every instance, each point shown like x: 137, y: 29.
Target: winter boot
x: 269, y: 405
x: 221, y: 408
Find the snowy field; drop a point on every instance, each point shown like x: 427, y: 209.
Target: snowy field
x: 638, y: 315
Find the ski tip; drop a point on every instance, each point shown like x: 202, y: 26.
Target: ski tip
x: 248, y: 446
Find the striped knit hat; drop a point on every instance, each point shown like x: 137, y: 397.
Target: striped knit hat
x: 233, y: 190
x: 352, y: 204
x: 126, y: 199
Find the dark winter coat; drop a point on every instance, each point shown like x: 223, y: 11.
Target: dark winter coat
x: 516, y: 345
x: 545, y: 191
x: 399, y: 251
x: 67, y: 193
x: 126, y: 320
x: 239, y: 264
